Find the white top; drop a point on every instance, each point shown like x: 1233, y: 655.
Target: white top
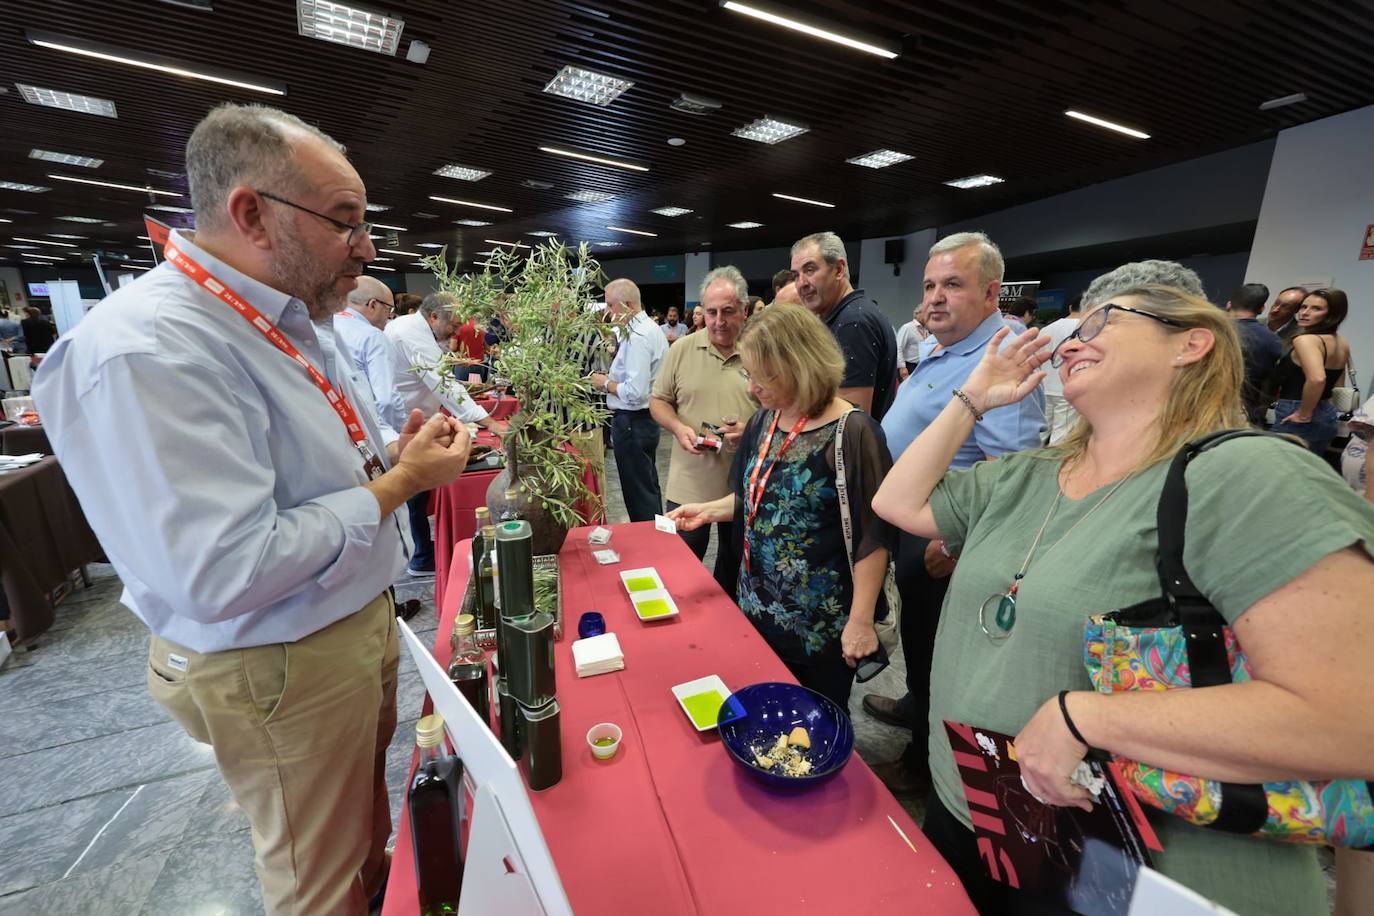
x: 909, y: 337
x: 637, y: 361
x: 414, y: 345
x: 1058, y: 332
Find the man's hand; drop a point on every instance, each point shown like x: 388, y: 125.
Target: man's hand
x: 731, y: 432
x: 601, y: 382
x: 435, y: 453
x: 902, y: 373
x: 938, y: 566
x: 687, y: 439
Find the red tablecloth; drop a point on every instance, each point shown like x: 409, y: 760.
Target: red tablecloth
x: 503, y: 409
x: 672, y: 824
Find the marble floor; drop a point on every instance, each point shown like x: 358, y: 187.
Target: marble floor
x: 107, y: 807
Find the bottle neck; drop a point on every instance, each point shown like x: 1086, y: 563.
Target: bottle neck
x: 467, y: 644
x: 430, y: 754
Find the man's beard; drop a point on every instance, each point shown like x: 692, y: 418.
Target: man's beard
x: 297, y: 272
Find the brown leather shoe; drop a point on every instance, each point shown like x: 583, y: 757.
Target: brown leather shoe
x: 885, y: 710
x: 900, y: 780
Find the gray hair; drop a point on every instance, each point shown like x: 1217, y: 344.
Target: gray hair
x: 991, y: 267
x: 730, y: 274
x: 829, y: 245
x: 237, y: 145
x: 441, y: 304
x: 1142, y: 273
x: 366, y: 290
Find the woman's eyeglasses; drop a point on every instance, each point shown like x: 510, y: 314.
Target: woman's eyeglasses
x: 1091, y: 326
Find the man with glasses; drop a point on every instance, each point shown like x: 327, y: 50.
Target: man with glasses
x: 963, y: 278
x: 246, y: 494
x: 359, y: 328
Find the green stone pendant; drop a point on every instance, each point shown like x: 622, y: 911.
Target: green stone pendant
x: 1006, y: 613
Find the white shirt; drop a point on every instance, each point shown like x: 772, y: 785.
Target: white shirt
x: 1057, y: 332
x: 222, y: 484
x: 370, y: 352
x: 637, y: 361
x: 909, y: 337
x: 414, y: 345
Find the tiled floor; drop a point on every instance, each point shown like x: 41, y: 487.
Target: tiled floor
x: 107, y: 807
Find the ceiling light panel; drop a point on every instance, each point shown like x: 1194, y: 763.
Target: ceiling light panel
x: 67, y: 101
x: 652, y: 235
x: 80, y: 219
x: 508, y: 244
x: 46, y: 257
x: 385, y: 226
x: 587, y: 86
x: 413, y: 254
x: 880, y: 159
x: 119, y: 187
x: 745, y: 225
x: 377, y: 208
x: 390, y: 270
x: 469, y: 203
x: 589, y: 197
x: 84, y: 48
x: 542, y: 233
x: 46, y: 242
x: 20, y: 186
x: 974, y: 181
x: 461, y: 172
x: 429, y: 245
x: 349, y: 24
x: 815, y: 31
x: 6, y: 220
x: 1109, y: 125
x: 671, y: 211
x: 60, y: 235
x: 168, y: 208
x: 48, y: 155
x: 609, y: 244
x: 803, y: 200
x: 599, y: 160
x: 471, y: 222
x: 769, y: 130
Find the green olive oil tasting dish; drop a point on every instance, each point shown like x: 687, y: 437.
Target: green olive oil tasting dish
x: 644, y: 579
x: 654, y: 605
x: 701, y: 700
x: 642, y: 584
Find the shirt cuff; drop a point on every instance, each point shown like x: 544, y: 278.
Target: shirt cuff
x: 360, y: 517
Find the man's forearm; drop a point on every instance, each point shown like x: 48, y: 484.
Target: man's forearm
x: 392, y: 489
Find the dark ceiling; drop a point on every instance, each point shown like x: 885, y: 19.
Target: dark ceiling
x: 978, y: 87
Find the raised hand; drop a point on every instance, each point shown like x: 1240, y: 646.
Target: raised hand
x: 1007, y: 374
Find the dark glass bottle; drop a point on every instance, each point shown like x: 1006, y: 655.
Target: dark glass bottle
x: 468, y: 667
x: 435, y: 804
x: 488, y: 600
x: 483, y: 609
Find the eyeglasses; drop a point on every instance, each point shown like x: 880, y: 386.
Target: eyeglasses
x: 1091, y: 326
x: 353, y: 229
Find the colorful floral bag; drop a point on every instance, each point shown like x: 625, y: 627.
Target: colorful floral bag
x: 1179, y: 640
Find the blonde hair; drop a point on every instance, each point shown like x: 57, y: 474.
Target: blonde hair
x: 790, y: 347
x: 1204, y: 396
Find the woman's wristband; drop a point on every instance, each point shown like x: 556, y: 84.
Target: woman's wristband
x: 1093, y: 752
x: 968, y: 402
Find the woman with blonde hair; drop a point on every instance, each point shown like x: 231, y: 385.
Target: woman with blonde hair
x: 795, y: 583
x: 1050, y: 537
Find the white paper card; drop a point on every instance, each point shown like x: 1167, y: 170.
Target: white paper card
x: 665, y: 524
x: 599, y: 535
x: 606, y: 557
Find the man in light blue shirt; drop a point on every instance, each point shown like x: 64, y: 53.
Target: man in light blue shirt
x: 634, y: 434
x: 359, y: 327
x: 962, y: 280
x: 233, y: 500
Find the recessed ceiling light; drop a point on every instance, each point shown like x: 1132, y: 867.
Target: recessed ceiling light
x: 48, y: 155
x: 67, y: 101
x: 6, y: 220
x: 652, y: 235
x: 1110, y: 125
x: 483, y: 254
x: 470, y: 222
x: 413, y: 254
x: 59, y: 235
x: 164, y: 174
x: 393, y: 228
x: 469, y: 203
x: 429, y: 245
x: 769, y: 130
x: 79, y: 219
x: 85, y: 48
x: 168, y: 208
x: 599, y: 160
x: 128, y: 265
x: 589, y: 197
x: 880, y: 159
x: 745, y: 225
x: 812, y: 30
x: 20, y: 186
x: 974, y: 181
x: 423, y: 215
x: 508, y: 244
x: 803, y: 200
x: 609, y: 244
x: 24, y: 247
x: 676, y: 141
x: 110, y: 184
x: 349, y: 24
x: 145, y: 238
x: 1281, y: 101
x: 671, y: 211
x: 377, y: 208
x: 587, y: 86
x: 381, y: 259
x: 46, y: 242
x: 390, y: 270
x: 461, y: 172
x: 542, y: 233
x: 17, y: 212
x: 46, y: 257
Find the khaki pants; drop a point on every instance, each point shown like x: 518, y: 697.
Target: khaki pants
x: 591, y: 446
x: 300, y: 732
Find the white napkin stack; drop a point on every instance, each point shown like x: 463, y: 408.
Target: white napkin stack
x: 597, y: 655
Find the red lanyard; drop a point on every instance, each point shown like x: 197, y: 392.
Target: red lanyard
x: 754, y: 495
x: 188, y: 265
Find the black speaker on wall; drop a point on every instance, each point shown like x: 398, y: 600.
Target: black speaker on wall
x: 894, y: 252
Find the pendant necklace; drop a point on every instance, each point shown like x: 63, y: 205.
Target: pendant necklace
x: 1005, y: 602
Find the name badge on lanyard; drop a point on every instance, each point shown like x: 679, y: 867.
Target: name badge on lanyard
x: 372, y: 463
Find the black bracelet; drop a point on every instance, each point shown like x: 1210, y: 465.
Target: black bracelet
x: 1068, y: 720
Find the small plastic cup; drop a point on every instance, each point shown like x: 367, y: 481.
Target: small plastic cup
x: 608, y: 733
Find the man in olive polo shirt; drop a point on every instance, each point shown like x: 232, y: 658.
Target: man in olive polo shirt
x: 700, y: 381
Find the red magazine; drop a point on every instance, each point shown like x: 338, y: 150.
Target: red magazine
x: 1084, y: 861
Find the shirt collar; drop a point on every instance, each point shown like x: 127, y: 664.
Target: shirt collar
x: 705, y: 344
x: 849, y: 297
x: 272, y: 303
x: 979, y: 337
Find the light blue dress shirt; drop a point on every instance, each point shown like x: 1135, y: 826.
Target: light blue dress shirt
x: 220, y: 481
x: 369, y: 351
x: 925, y: 393
x: 637, y: 361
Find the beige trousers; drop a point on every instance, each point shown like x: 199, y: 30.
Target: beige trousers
x: 300, y: 732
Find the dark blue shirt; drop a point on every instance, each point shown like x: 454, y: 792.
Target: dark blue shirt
x: 1262, y: 349
x: 870, y: 348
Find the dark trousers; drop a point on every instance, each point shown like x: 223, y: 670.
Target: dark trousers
x: 827, y: 674
x: 727, y: 561
x: 921, y: 600
x: 959, y: 847
x: 634, y: 439
x: 418, y: 505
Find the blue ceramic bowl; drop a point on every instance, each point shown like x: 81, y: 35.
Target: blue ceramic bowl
x: 754, y: 716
